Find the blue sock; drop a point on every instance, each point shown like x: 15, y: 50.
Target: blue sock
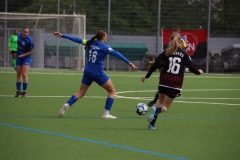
x: 25, y: 87
x: 18, y: 85
x: 109, y: 103
x: 72, y: 100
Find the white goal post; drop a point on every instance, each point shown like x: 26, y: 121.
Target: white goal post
x: 50, y: 52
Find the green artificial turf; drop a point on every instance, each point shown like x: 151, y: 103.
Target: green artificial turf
x: 202, y: 124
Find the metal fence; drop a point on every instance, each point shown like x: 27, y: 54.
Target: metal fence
x: 49, y: 51
x: 139, y: 24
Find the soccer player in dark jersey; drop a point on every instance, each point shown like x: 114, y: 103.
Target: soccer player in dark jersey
x: 184, y: 47
x: 172, y: 60
x: 23, y: 60
x: 94, y: 71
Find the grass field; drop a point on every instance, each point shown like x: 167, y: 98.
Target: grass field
x: 204, y: 124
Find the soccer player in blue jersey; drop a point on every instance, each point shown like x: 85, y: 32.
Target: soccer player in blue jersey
x: 96, y: 50
x: 173, y: 60
x: 23, y: 60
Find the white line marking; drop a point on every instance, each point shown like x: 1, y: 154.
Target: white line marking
x: 77, y: 73
x: 117, y: 96
x: 191, y: 90
x: 53, y: 96
x: 227, y: 104
x: 199, y: 90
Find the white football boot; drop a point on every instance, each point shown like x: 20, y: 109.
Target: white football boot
x: 108, y: 116
x: 63, y: 110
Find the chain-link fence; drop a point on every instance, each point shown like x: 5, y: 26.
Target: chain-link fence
x: 49, y: 51
x: 134, y: 28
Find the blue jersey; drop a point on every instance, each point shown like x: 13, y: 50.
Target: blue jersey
x: 24, y: 44
x: 96, y: 53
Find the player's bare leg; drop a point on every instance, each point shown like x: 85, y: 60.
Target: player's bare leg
x: 109, y: 87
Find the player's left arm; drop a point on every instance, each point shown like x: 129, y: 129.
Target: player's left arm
x: 26, y: 54
x: 191, y: 67
x: 120, y: 56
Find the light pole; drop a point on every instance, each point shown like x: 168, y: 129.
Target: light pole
x: 5, y: 37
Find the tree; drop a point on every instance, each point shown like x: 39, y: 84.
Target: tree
x: 139, y: 17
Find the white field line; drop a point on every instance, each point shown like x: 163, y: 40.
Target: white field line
x: 117, y: 96
x: 135, y: 98
x: 141, y: 98
x: 78, y: 73
x: 177, y: 99
x: 195, y: 90
x: 53, y: 96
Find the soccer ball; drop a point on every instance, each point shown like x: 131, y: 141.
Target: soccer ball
x: 141, y: 109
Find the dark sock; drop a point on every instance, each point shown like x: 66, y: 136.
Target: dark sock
x: 158, y: 110
x: 154, y: 120
x: 156, y: 97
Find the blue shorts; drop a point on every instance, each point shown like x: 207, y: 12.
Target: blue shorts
x: 89, y: 77
x: 23, y: 61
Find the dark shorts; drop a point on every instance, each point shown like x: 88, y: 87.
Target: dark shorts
x: 170, y: 92
x: 89, y: 77
x: 13, y: 52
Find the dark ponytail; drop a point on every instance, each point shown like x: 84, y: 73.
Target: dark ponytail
x: 99, y: 35
x: 90, y: 42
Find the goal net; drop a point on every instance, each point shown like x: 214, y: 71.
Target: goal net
x: 49, y: 51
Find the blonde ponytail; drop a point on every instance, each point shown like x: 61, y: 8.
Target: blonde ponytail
x: 174, y: 44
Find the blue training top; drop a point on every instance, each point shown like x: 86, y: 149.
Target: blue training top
x: 24, y: 44
x: 97, y: 52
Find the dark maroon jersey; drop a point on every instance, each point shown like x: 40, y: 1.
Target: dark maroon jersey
x: 174, y: 81
x: 173, y: 68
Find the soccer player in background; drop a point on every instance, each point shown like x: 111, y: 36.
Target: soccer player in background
x: 177, y: 29
x: 12, y: 46
x: 94, y: 71
x: 171, y: 77
x: 23, y: 60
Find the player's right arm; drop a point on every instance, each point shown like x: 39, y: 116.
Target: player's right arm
x: 191, y: 67
x: 71, y: 38
x: 159, y: 63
